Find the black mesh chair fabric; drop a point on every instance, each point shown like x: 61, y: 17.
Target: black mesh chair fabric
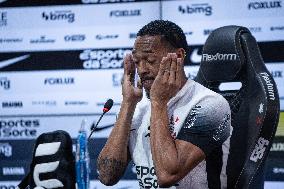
x: 231, y: 54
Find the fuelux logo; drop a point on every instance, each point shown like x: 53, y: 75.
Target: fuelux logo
x: 264, y: 5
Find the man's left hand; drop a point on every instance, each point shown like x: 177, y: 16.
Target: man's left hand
x: 168, y: 81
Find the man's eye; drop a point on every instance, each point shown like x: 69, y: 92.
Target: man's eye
x: 151, y: 61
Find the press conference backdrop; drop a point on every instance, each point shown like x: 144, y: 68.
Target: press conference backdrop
x: 60, y: 60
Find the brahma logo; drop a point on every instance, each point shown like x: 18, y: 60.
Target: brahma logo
x: 14, y: 104
x: 122, y: 13
x: 218, y: 57
x: 200, y: 8
x: 13, y: 171
x: 103, y: 59
x: 264, y: 5
x: 18, y: 128
x: 5, y: 83
x: 59, y: 15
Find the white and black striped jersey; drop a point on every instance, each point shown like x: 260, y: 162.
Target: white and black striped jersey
x: 197, y: 115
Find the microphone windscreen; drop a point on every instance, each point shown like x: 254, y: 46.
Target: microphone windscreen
x: 108, y: 105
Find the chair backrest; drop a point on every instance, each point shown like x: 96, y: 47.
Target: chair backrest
x: 231, y: 54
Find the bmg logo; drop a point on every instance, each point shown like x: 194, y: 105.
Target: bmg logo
x: 59, y: 15
x: 5, y: 83
x: 201, y: 8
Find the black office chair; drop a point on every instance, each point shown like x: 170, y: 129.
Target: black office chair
x: 231, y: 54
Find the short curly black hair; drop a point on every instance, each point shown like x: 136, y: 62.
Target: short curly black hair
x: 169, y: 31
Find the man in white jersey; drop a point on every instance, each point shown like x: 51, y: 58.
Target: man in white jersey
x: 177, y: 137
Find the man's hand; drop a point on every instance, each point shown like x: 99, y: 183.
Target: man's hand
x: 168, y: 81
x: 130, y: 93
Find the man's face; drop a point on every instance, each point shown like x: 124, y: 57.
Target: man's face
x: 147, y: 53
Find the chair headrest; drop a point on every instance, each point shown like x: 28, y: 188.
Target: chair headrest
x: 222, y: 54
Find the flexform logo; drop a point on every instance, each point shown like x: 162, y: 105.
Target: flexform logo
x: 59, y: 81
x: 18, y: 128
x: 5, y: 83
x: 218, y: 57
x: 103, y: 59
x: 59, y: 15
x: 75, y: 37
x: 106, y: 1
x: 270, y: 86
x: 3, y: 19
x: 123, y: 13
x: 12, y: 104
x: 6, y: 150
x: 101, y: 37
x: 42, y: 39
x: 200, y: 8
x: 264, y: 5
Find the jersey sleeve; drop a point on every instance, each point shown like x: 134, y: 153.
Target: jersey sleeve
x: 207, y: 125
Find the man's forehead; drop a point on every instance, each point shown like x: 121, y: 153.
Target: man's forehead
x: 146, y: 43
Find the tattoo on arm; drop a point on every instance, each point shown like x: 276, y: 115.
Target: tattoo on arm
x: 110, y: 170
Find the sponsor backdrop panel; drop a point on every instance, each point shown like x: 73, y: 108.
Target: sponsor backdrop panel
x: 59, y: 64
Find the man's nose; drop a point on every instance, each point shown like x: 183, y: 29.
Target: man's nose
x: 142, y: 68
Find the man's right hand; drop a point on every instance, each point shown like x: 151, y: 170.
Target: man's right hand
x: 130, y: 93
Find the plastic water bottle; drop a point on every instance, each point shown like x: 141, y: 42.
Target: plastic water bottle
x: 82, y: 159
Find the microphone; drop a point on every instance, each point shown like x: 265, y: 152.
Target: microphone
x: 106, y: 108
